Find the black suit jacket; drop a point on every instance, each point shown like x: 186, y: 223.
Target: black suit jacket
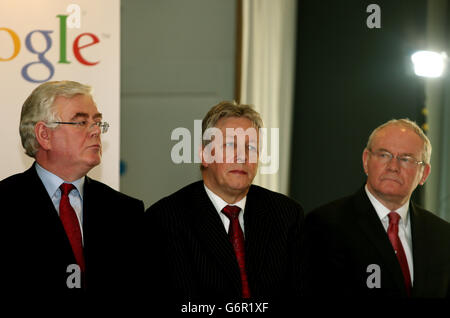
x: 35, y: 247
x: 197, y: 260
x: 344, y: 237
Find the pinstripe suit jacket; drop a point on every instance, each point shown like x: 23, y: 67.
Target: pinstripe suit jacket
x: 198, y: 260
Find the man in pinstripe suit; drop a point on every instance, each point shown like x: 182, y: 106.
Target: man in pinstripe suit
x: 189, y: 230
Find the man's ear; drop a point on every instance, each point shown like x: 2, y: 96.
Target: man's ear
x: 365, y: 156
x: 425, y: 173
x: 43, y: 135
x: 201, y: 156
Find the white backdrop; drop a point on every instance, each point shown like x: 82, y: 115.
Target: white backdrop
x: 33, y: 32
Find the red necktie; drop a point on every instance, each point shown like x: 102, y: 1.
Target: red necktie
x: 71, y: 225
x: 394, y: 218
x: 237, y: 239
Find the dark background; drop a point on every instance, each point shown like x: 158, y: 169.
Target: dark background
x: 349, y: 80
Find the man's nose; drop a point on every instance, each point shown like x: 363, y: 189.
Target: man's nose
x: 95, y: 130
x: 241, y: 155
x: 393, y: 164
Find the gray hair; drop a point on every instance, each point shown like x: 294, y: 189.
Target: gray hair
x: 227, y: 109
x: 411, y: 125
x: 39, y: 107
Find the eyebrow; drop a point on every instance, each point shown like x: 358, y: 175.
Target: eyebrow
x: 402, y: 154
x: 86, y: 115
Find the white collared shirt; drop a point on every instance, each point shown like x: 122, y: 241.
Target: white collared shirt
x: 52, y: 183
x: 404, y: 226
x: 219, y: 204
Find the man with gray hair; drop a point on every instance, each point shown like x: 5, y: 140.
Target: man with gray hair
x: 62, y: 229
x: 222, y: 237
x: 377, y: 242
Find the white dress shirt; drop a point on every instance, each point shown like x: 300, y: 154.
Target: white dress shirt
x: 52, y: 182
x: 219, y: 204
x: 404, y: 227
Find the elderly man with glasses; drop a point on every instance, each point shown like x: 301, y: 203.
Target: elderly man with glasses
x: 63, y: 231
x: 377, y: 242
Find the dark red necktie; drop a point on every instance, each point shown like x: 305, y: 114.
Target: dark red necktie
x: 237, y: 239
x: 394, y: 218
x: 71, y: 225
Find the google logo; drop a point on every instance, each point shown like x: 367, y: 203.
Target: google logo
x: 82, y: 41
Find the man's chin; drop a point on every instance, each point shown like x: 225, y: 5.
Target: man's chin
x: 239, y: 187
x: 392, y: 193
x: 93, y: 162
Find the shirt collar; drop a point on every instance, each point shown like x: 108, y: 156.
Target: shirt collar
x: 382, y: 211
x: 219, y: 203
x: 52, y: 182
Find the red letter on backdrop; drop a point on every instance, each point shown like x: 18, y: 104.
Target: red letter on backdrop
x: 76, y: 48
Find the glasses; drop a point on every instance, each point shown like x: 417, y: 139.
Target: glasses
x: 405, y: 161
x: 103, y: 125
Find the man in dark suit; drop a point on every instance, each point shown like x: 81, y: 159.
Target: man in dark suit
x: 61, y: 230
x: 222, y: 237
x: 377, y: 243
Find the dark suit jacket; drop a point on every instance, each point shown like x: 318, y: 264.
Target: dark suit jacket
x: 197, y: 259
x: 344, y: 237
x: 36, y: 250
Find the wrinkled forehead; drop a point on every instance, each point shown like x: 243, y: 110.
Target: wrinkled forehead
x: 240, y: 128
x: 230, y: 123
x: 240, y: 132
x: 77, y: 104
x: 398, y: 138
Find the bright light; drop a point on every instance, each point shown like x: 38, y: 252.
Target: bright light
x: 428, y: 63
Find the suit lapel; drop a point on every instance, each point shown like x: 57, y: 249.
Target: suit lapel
x: 49, y: 217
x: 419, y: 251
x: 39, y: 193
x: 211, y: 233
x: 89, y: 219
x: 257, y: 232
x: 372, y: 227
x: 47, y: 220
